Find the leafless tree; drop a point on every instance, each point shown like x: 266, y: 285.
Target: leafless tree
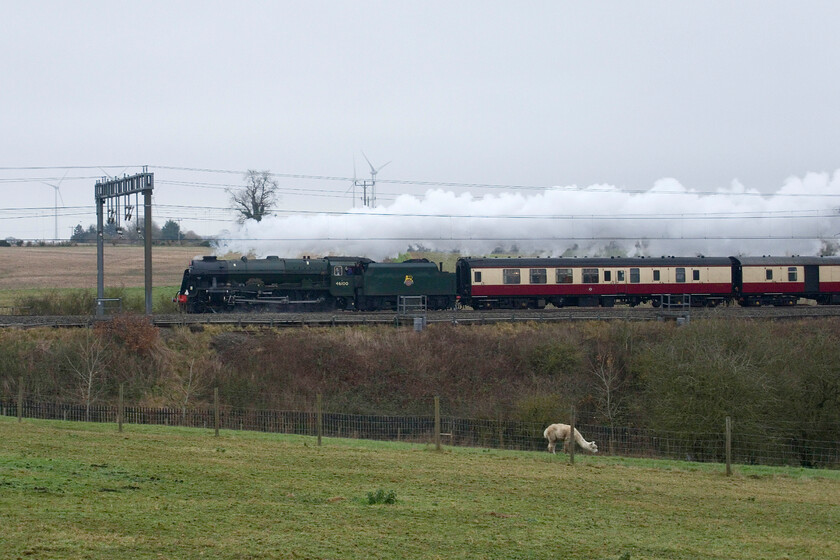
x: 88, y: 364
x: 256, y: 198
x: 193, y: 381
x: 609, y: 380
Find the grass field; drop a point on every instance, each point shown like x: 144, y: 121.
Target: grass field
x: 72, y: 490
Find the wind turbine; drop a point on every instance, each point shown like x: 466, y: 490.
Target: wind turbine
x: 373, y: 172
x: 56, y: 196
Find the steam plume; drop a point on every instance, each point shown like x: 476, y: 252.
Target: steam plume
x: 800, y: 218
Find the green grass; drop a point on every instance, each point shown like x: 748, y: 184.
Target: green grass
x: 133, y: 297
x: 73, y: 490
x: 8, y: 298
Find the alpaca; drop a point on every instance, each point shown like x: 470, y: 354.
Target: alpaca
x: 559, y: 432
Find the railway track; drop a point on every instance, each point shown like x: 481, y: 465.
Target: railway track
x: 460, y: 317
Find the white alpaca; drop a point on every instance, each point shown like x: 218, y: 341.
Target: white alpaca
x: 559, y: 432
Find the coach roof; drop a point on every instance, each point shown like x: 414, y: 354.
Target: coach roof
x: 788, y: 261
x: 597, y: 262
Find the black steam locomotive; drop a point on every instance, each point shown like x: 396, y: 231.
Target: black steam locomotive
x: 275, y: 284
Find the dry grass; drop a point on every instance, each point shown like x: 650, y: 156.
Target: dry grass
x: 75, y: 267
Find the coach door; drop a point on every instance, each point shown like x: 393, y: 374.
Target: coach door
x: 812, y: 278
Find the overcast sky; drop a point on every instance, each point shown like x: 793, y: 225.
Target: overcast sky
x: 461, y: 96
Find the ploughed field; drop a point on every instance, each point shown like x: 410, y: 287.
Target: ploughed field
x: 75, y: 267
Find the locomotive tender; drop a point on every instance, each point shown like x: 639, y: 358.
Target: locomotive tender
x: 358, y: 283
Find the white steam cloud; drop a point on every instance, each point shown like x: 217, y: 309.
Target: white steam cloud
x: 801, y: 218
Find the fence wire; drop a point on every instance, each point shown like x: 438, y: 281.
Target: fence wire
x: 747, y: 448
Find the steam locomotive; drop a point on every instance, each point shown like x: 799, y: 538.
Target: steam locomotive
x: 358, y: 283
x: 275, y: 284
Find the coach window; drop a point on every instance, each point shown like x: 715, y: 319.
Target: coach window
x: 791, y: 274
x: 619, y: 275
x: 634, y: 276
x: 656, y: 276
x: 607, y: 276
x: 680, y: 274
x: 768, y: 274
x: 695, y: 275
x: 477, y: 276
x: 538, y: 276
x: 510, y: 276
x: 564, y: 275
x: 590, y: 275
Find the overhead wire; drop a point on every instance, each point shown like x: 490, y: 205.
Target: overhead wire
x: 207, y: 213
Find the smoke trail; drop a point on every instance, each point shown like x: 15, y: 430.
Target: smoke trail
x: 668, y: 219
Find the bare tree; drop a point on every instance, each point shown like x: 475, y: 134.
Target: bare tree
x: 88, y: 364
x: 255, y: 199
x: 193, y: 380
x: 190, y: 368
x: 609, y: 381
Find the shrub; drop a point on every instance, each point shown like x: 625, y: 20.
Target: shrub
x: 381, y: 497
x: 134, y: 332
x: 55, y: 302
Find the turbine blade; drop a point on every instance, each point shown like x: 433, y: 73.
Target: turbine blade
x: 369, y: 163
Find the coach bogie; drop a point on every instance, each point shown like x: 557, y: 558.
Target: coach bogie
x: 768, y: 300
x: 634, y: 301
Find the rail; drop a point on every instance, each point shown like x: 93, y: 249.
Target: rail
x: 456, y: 317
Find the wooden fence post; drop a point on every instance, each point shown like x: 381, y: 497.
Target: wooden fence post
x: 120, y: 409
x: 437, y: 423
x: 216, y: 409
x: 20, y: 399
x: 320, y: 418
x: 728, y: 446
x: 571, y: 438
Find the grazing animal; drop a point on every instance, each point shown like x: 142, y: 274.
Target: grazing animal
x: 559, y: 432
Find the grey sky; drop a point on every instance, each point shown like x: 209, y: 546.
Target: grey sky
x: 503, y: 93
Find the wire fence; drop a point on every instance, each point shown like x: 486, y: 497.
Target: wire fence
x: 746, y: 448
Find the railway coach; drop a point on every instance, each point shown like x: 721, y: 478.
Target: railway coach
x: 783, y: 280
x: 532, y: 283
